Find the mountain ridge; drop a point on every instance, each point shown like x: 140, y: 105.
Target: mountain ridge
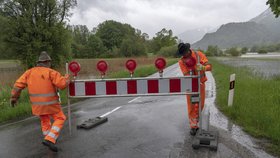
x: 262, y: 29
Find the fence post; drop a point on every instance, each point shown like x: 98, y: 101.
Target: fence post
x: 231, y: 89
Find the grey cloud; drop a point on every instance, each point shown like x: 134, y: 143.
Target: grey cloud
x: 112, y: 6
x: 151, y: 16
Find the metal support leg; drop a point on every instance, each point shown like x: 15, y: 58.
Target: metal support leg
x: 204, y: 138
x: 68, y: 105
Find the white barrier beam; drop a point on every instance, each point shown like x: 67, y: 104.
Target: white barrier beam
x: 134, y: 87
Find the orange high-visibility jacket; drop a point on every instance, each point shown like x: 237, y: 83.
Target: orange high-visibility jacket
x: 42, y: 83
x: 203, y: 61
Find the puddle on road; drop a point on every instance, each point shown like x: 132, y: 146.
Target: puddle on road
x: 217, y: 119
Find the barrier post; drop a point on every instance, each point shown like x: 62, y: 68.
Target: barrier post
x: 160, y: 64
x: 68, y: 103
x: 75, y: 69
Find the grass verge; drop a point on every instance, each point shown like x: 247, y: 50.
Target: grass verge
x: 23, y: 109
x: 256, y: 104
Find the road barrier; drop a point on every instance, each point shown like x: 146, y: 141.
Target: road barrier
x: 133, y: 87
x: 128, y: 87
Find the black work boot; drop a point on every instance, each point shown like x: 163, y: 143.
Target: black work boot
x: 51, y: 145
x: 193, y: 131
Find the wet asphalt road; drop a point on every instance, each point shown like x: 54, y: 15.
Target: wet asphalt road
x: 142, y: 127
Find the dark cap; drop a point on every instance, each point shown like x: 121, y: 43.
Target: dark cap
x: 183, y: 48
x: 44, y: 57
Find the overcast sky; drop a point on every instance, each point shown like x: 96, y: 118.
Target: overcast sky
x: 150, y: 16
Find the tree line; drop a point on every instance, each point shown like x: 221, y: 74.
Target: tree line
x: 28, y: 27
x: 114, y: 39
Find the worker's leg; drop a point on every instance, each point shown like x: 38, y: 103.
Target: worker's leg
x: 59, y: 119
x: 191, y: 112
x: 193, y: 109
x: 45, y: 124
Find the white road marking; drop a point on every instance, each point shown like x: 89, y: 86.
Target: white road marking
x: 134, y: 99
x: 108, y: 113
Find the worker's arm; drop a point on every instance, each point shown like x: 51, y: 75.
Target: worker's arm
x: 58, y: 80
x: 204, y: 62
x: 184, y: 68
x: 19, y: 85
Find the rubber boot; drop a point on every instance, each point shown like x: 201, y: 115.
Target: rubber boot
x: 193, y: 131
x: 51, y: 145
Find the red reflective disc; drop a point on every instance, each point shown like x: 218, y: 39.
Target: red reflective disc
x: 74, y: 67
x: 131, y: 65
x: 102, y: 66
x: 160, y: 63
x: 190, y: 62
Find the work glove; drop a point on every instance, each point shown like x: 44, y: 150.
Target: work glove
x: 200, y: 68
x: 13, y: 102
x: 67, y: 77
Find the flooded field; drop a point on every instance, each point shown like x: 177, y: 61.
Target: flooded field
x: 10, y: 70
x: 261, y: 66
x: 274, y: 55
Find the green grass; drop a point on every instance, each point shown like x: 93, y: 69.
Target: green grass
x: 256, y: 104
x: 23, y: 108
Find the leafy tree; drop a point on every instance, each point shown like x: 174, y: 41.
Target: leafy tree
x: 80, y: 33
x: 121, y: 39
x: 112, y: 33
x: 233, y: 51
x: 213, y: 51
x: 274, y: 6
x: 38, y: 25
x: 163, y: 38
x: 131, y: 48
x: 254, y: 48
x: 80, y: 36
x: 95, y: 46
x: 5, y: 51
x: 262, y: 51
x: 169, y: 51
x: 244, y: 50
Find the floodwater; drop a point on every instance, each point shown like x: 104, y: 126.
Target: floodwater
x: 260, y: 65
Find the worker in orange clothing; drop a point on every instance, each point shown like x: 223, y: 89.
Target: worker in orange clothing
x: 188, y: 66
x: 43, y: 84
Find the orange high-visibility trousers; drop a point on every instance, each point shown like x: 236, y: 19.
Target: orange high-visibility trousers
x: 193, y: 109
x: 51, y: 131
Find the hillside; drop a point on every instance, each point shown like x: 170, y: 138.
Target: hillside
x: 259, y: 30
x: 194, y: 35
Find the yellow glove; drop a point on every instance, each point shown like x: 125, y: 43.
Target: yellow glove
x: 200, y: 68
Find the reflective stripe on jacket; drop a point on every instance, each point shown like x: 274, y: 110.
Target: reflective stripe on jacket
x: 42, y: 83
x: 187, y: 70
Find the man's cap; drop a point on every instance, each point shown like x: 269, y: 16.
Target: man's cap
x: 44, y: 57
x: 183, y: 48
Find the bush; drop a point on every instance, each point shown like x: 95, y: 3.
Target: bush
x: 213, y: 51
x: 244, y: 50
x: 169, y: 51
x: 233, y: 52
x: 262, y: 51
